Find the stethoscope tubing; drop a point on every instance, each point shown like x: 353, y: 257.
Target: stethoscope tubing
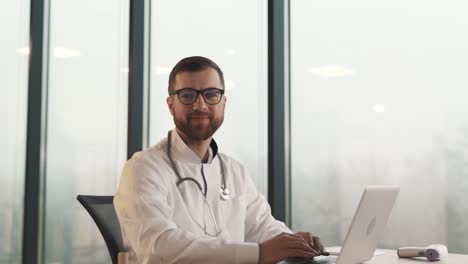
x: 181, y: 180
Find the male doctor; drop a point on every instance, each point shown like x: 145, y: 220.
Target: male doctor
x: 181, y: 201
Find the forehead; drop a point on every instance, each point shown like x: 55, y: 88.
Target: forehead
x: 198, y: 80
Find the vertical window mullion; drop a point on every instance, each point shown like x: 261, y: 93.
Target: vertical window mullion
x: 138, y: 92
x: 36, y: 127
x: 278, y: 109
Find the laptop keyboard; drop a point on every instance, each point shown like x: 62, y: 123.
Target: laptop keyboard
x: 316, y: 260
x: 323, y: 260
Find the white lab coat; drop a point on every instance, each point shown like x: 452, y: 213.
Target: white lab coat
x: 157, y: 218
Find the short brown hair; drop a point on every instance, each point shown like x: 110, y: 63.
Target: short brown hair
x: 193, y: 64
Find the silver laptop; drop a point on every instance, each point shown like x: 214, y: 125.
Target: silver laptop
x: 366, y: 229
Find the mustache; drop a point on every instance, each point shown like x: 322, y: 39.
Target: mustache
x: 199, y: 114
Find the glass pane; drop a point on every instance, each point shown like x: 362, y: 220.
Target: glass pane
x: 233, y: 34
x: 379, y: 97
x: 14, y: 50
x: 87, y: 122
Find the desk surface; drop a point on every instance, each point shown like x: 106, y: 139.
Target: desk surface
x: 391, y: 257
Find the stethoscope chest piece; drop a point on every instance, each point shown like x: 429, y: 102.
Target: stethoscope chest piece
x: 224, y: 193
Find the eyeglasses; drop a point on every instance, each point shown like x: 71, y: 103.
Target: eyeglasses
x: 188, y: 96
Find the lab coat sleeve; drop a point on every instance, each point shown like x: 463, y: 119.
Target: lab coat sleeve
x: 151, y: 236
x: 260, y: 225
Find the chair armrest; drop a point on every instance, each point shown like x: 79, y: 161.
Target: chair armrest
x: 122, y: 258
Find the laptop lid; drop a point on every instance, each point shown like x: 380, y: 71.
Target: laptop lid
x: 368, y: 224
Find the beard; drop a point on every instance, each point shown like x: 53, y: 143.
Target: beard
x: 197, y: 131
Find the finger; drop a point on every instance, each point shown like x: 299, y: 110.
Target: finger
x: 310, y: 239
x: 317, y: 244
x: 323, y: 251
x: 300, y: 253
x: 302, y: 246
x: 295, y: 237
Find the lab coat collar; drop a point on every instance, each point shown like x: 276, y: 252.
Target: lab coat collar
x: 182, y: 153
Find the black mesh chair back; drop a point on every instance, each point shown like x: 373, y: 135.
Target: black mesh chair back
x: 101, y: 209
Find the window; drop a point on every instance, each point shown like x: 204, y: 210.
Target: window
x: 233, y: 34
x: 13, y: 104
x: 379, y: 97
x: 87, y: 122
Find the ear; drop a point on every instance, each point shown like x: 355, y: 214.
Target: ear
x: 170, y: 104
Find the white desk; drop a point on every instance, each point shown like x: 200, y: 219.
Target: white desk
x: 391, y: 257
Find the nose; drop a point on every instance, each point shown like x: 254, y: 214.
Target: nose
x: 200, y: 103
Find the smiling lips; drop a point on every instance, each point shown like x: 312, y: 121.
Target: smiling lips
x: 199, y: 118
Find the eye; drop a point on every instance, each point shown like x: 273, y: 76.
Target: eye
x: 212, y: 93
x: 187, y: 94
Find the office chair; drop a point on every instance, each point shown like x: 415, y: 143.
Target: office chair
x: 101, y: 209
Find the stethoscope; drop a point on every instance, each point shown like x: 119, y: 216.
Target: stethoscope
x: 224, y: 191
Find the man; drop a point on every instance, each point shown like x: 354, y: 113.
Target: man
x: 181, y: 201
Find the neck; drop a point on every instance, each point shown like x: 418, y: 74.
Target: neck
x: 200, y: 147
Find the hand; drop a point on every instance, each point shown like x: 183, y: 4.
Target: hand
x: 314, y: 242
x: 283, y: 246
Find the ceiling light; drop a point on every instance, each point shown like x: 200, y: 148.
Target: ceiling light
x: 161, y: 70
x: 378, y: 108
x: 65, y: 53
x: 230, y: 52
x: 229, y: 84
x: 24, y: 50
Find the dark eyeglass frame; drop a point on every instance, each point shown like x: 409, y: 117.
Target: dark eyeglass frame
x: 198, y: 92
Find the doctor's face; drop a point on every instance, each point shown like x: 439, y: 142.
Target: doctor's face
x: 198, y: 120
